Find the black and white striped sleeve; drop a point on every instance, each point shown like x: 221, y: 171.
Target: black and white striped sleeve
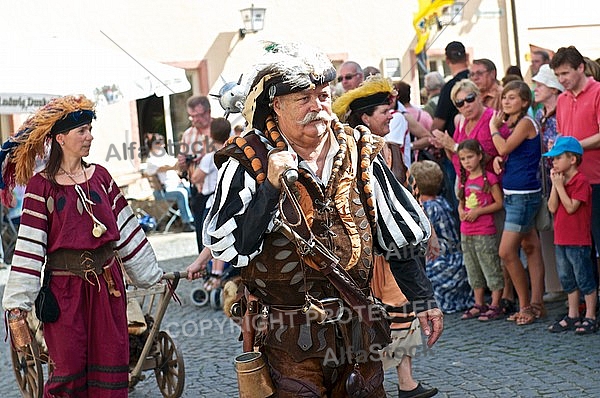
x: 401, y: 226
x: 243, y: 211
x: 400, y: 219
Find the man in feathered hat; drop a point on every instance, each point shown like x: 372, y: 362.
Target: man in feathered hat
x: 314, y: 340
x: 78, y: 227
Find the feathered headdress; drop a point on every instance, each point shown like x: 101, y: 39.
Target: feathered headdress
x: 284, y: 69
x: 375, y: 90
x: 18, y: 153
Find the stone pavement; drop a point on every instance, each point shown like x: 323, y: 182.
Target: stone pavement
x: 472, y: 359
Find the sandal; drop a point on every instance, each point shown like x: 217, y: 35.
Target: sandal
x: 587, y: 326
x: 513, y: 317
x: 492, y: 313
x: 538, y: 310
x: 525, y: 316
x: 474, y: 312
x: 569, y: 324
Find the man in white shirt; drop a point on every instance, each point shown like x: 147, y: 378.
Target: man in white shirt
x: 165, y: 167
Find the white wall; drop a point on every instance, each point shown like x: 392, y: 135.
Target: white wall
x: 193, y: 30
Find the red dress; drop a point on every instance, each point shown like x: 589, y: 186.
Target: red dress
x: 88, y: 344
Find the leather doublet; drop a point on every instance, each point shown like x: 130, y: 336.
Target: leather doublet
x: 340, y: 222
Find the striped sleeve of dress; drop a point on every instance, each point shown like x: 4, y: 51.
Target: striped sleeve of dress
x: 139, y: 259
x: 242, y: 212
x: 24, y: 278
x: 400, y: 219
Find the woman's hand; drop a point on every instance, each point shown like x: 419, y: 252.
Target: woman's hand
x: 432, y: 324
x: 441, y: 139
x: 498, y: 164
x: 496, y: 121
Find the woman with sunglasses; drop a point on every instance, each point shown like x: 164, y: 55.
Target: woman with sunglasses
x: 472, y: 122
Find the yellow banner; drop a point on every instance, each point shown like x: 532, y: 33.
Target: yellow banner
x: 425, y: 17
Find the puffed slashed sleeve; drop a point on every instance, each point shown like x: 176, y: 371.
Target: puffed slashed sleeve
x: 401, y: 227
x: 243, y: 211
x: 23, y: 282
x: 139, y: 259
x: 400, y: 219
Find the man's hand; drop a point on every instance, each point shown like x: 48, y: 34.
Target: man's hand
x: 197, y: 269
x: 435, y: 317
x: 278, y: 163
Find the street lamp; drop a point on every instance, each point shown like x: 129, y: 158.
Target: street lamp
x: 253, y: 18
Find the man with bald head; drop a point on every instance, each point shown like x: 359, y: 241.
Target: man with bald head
x: 351, y: 75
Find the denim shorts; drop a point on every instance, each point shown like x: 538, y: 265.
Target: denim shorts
x: 575, y: 268
x: 521, y: 210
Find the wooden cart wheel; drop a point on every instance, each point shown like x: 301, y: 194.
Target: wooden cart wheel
x: 170, y: 372
x: 27, y: 366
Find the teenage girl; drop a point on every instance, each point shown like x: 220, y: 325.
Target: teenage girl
x: 480, y: 197
x: 522, y: 198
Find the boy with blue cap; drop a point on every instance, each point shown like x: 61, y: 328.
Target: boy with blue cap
x: 570, y: 202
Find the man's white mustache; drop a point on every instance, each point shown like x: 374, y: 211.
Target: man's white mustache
x: 315, y: 116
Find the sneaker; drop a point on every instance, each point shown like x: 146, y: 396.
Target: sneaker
x: 552, y: 297
x: 418, y: 392
x: 188, y: 228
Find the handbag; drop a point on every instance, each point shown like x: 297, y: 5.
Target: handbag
x: 46, y: 305
x: 543, y: 219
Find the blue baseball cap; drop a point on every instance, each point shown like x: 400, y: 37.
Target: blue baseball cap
x: 564, y: 144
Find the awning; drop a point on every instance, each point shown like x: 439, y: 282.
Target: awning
x: 34, y: 71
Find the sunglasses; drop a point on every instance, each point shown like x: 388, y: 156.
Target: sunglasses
x: 346, y: 77
x: 469, y: 99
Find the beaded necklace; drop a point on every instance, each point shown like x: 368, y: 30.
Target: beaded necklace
x: 99, y: 228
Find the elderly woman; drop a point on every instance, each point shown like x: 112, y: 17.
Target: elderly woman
x: 77, y: 225
x: 547, y: 90
x: 472, y: 122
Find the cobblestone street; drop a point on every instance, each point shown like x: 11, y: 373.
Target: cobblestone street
x: 472, y: 359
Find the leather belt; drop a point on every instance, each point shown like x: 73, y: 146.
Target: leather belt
x: 324, y: 311
x: 79, y: 262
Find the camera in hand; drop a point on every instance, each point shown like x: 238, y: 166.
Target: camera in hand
x: 189, y: 160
